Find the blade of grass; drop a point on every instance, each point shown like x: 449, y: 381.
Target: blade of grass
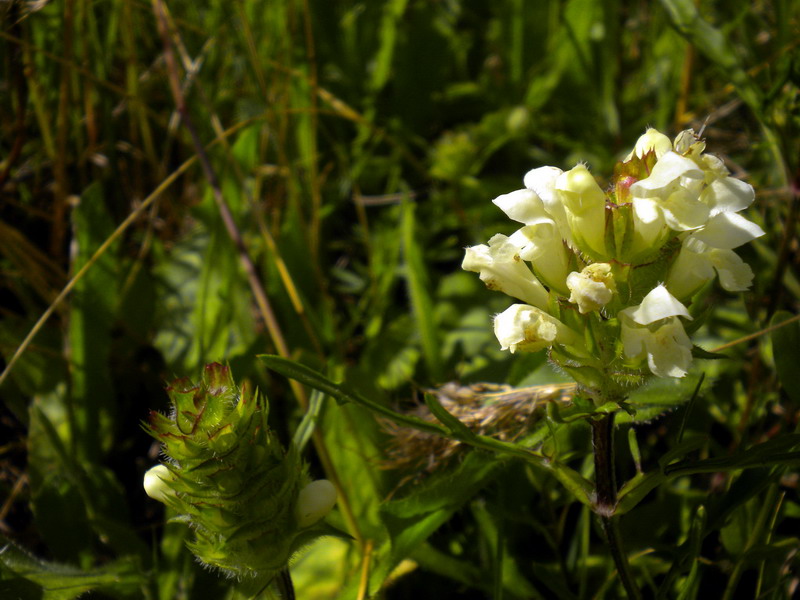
x: 421, y: 301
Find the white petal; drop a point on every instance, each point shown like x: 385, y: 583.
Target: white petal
x: 683, y: 212
x: 633, y: 336
x: 579, y: 190
x: 667, y: 171
x: 669, y: 350
x: 728, y: 195
x: 523, y: 206
x: 542, y: 181
x: 691, y: 270
x: 735, y: 275
x: 658, y: 304
x: 728, y: 230
x: 156, y: 483
x: 543, y: 247
x: 684, y: 140
x: 646, y: 211
x: 714, y: 166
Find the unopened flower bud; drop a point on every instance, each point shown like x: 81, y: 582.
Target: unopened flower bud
x: 156, y: 483
x: 314, y: 502
x: 652, y: 141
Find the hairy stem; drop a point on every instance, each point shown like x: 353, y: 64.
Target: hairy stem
x: 606, y: 498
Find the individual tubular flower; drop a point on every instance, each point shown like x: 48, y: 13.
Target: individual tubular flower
x: 592, y: 288
x: 653, y: 328
x: 543, y: 246
x: 584, y: 203
x: 248, y: 501
x: 710, y: 249
x: 696, y: 265
x: 501, y: 268
x: 528, y: 329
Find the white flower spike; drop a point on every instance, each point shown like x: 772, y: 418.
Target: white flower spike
x: 670, y: 213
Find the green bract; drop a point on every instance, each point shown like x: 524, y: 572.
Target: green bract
x: 228, y: 477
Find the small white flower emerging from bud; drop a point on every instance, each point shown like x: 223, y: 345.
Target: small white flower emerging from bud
x: 314, y: 502
x: 156, y: 483
x: 592, y: 288
x: 652, y: 140
x: 528, y: 329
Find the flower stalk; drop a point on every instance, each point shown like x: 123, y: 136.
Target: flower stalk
x: 605, y: 501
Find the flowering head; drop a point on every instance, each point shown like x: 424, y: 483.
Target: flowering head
x: 248, y: 501
x: 607, y: 274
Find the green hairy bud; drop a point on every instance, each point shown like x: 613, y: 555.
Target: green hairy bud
x: 249, y: 502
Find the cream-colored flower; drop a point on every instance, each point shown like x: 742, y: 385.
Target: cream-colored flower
x: 654, y: 328
x: 528, y: 329
x: 501, y: 268
x: 696, y: 264
x: 592, y: 288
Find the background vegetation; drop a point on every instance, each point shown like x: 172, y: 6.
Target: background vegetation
x: 357, y: 146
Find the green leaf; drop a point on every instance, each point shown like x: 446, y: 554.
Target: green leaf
x: 341, y: 393
x: 691, y: 584
x: 698, y: 352
x: 661, y: 395
x: 778, y: 451
x: 635, y: 490
x: 392, y: 13
x: 92, y: 315
x: 309, y: 377
x: 412, y: 519
x: 786, y: 352
x: 63, y: 582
